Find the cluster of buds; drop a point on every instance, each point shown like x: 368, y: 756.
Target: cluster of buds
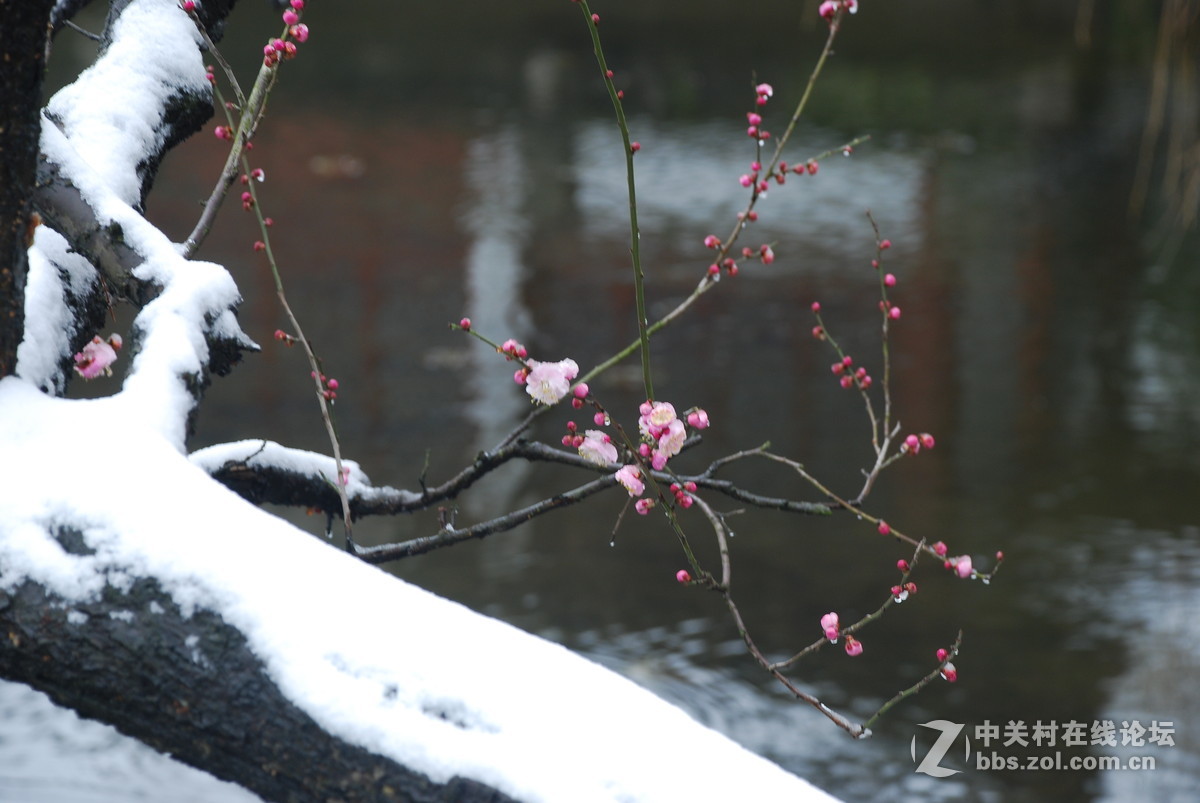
x: 683, y: 493
x: 948, y: 671
x: 329, y: 386
x: 832, y: 629
x: 901, y: 592
x: 829, y: 9
x: 297, y: 32
x: 97, y: 356
x: 914, y: 443
x: 848, y: 376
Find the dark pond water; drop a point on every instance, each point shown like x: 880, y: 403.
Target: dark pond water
x: 433, y: 165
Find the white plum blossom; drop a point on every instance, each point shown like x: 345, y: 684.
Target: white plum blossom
x: 547, y: 382
x: 598, y: 447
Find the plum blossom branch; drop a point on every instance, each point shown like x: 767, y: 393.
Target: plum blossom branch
x: 945, y: 669
x: 723, y: 588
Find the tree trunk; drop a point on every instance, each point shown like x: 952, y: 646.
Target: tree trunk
x: 22, y: 62
x: 189, y: 686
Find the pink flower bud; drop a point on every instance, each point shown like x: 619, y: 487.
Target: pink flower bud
x: 890, y: 280
x: 290, y: 17
x: 940, y: 549
x: 885, y: 245
x: 894, y: 313
x: 753, y: 118
x: 816, y: 306
x: 465, y: 324
x: 299, y: 32
x: 635, y: 146
x: 853, y: 646
x: 600, y: 420
x: 745, y: 180
x: 926, y: 440
x: 712, y: 241
x: 902, y: 565
x: 913, y: 443
x: 884, y: 528
x: 581, y: 390
x: 963, y: 567
x: 950, y: 673
x: 942, y: 654
x: 683, y: 576
x: 698, y: 419
x: 643, y: 505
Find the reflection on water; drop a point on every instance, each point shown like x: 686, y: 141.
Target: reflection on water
x: 1054, y: 354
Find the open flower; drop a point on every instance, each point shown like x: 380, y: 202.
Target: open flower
x: 631, y: 478
x: 598, y: 448
x: 548, y: 382
x: 97, y: 357
x: 670, y: 442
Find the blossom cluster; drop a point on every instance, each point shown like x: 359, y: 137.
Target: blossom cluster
x: 663, y: 433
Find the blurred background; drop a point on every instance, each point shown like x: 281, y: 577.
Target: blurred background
x: 1036, y: 166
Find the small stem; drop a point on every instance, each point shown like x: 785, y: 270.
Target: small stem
x: 251, y: 114
x: 639, y: 279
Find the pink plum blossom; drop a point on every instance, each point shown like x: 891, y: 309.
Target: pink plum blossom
x: 671, y: 441
x: 643, y: 506
x: 97, y: 357
x: 829, y: 623
x: 963, y: 567
x: 631, y: 478
x: 655, y: 416
x: 854, y: 647
x: 549, y: 381
x: 597, y: 447
x: 698, y: 419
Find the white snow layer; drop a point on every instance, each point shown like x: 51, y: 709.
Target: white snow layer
x: 376, y: 661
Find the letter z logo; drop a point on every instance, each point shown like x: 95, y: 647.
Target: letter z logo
x: 931, y: 764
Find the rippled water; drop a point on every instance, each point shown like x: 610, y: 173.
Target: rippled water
x: 1049, y: 341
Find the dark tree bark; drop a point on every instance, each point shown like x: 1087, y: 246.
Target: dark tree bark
x: 22, y: 63
x: 192, y: 688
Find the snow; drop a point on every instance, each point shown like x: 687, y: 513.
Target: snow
x: 448, y: 692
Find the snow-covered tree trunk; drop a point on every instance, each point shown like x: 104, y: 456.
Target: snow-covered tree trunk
x: 192, y: 688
